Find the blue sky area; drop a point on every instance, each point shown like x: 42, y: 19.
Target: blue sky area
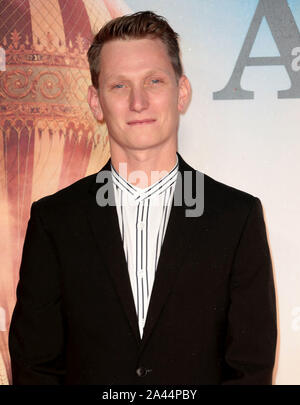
x: 195, y: 17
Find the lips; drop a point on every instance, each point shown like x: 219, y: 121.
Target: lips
x: 141, y: 122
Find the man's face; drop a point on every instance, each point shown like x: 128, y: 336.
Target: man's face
x: 138, y: 96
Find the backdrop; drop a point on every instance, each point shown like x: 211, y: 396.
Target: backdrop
x: 243, y: 60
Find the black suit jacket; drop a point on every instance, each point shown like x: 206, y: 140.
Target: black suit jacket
x: 211, y: 317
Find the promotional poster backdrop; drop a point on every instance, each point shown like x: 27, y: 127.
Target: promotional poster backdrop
x: 241, y: 128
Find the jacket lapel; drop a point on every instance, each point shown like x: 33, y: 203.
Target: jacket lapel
x: 105, y: 227
x: 174, y: 250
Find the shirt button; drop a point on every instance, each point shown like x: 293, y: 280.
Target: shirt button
x: 140, y: 273
x: 141, y: 225
x: 141, y: 372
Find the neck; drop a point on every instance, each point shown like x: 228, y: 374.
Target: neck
x: 142, y: 168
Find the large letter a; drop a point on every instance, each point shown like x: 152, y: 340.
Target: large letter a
x: 286, y: 35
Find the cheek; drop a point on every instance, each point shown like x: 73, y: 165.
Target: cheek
x: 113, y: 109
x: 167, y: 104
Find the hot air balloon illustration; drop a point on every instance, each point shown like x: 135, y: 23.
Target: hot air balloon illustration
x: 48, y: 137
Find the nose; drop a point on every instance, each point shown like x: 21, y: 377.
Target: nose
x: 138, y: 99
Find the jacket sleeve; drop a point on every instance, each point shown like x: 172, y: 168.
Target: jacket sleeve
x: 252, y: 330
x: 36, y: 335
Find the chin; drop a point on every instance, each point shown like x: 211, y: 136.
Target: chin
x: 143, y: 141
x: 143, y: 146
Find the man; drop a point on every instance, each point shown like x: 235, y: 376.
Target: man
x: 141, y: 290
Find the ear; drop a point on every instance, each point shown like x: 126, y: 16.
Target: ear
x: 184, y: 93
x: 94, y: 103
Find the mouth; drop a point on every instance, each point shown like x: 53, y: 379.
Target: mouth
x: 141, y: 122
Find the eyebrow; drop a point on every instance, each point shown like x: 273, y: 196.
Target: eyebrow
x: 124, y: 77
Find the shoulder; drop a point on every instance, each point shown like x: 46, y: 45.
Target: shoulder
x: 221, y: 196
x: 231, y: 207
x: 73, y: 195
x: 70, y: 201
x: 67, y: 200
x: 222, y: 200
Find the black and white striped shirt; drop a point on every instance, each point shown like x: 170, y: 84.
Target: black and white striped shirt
x: 143, y: 217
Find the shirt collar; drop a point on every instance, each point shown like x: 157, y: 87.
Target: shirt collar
x: 143, y: 193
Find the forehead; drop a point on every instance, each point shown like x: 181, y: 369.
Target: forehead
x: 131, y: 56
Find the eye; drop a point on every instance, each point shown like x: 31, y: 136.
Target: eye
x: 118, y: 86
x: 156, y: 81
x: 153, y: 81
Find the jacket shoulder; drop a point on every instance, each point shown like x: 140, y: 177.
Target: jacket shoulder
x: 220, y: 196
x: 72, y: 194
